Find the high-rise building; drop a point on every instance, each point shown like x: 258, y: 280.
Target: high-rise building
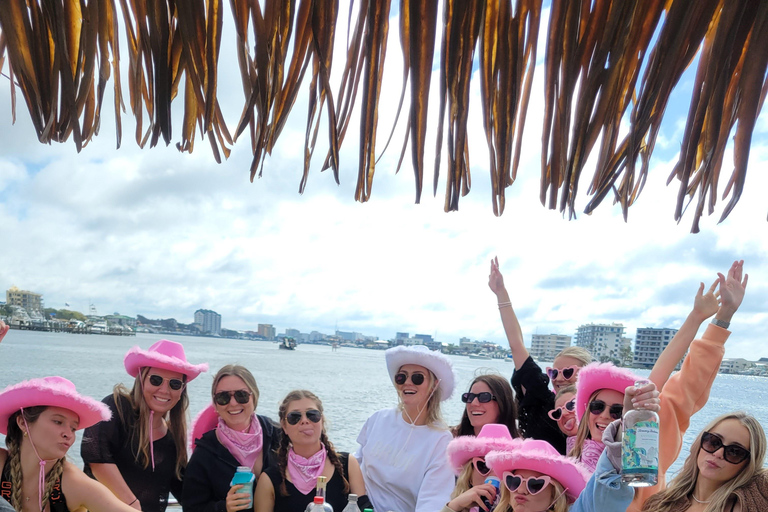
x: 604, y: 341
x: 649, y: 343
x: 546, y: 346
x: 267, y: 331
x: 30, y: 301
x: 210, y: 321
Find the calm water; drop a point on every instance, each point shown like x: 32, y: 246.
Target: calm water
x: 353, y: 383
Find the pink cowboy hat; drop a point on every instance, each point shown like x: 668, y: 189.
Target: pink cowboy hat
x: 540, y: 456
x: 205, y: 421
x: 164, y: 354
x: 597, y: 376
x: 493, y: 436
x: 432, y: 360
x: 52, y: 392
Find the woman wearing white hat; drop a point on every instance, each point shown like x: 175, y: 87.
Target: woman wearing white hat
x: 141, y: 454
x: 39, y: 418
x: 402, y: 450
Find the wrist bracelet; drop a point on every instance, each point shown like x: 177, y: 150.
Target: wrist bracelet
x: 134, y: 501
x: 721, y: 323
x: 507, y: 304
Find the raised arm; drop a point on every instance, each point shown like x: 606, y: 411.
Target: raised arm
x: 3, y: 329
x: 704, y: 306
x: 508, y: 317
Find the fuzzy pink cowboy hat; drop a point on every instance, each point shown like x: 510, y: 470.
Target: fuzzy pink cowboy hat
x: 165, y: 354
x: 52, y: 392
x: 432, y: 360
x: 206, y: 420
x: 596, y: 376
x: 493, y: 436
x: 540, y: 456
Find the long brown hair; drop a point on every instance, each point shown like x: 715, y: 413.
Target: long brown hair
x: 285, y: 441
x: 13, y: 442
x: 505, y: 398
x: 681, y: 488
x: 142, y: 432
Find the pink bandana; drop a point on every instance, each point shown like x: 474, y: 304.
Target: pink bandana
x: 244, y: 446
x: 304, y: 472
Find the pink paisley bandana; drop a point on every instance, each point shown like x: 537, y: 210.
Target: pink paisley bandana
x: 244, y: 446
x: 304, y: 472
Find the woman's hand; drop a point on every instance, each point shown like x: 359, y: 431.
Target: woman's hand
x: 645, y: 397
x: 136, y: 504
x: 473, y: 497
x: 706, y: 304
x: 237, y: 500
x: 732, y: 288
x: 496, y: 281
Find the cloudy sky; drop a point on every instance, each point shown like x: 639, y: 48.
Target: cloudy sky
x: 161, y: 234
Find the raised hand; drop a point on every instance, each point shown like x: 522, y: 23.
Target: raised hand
x: 3, y: 329
x: 645, y: 396
x: 496, y: 280
x: 706, y: 304
x: 732, y: 288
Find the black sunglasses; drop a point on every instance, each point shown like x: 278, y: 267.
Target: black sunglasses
x: 483, y: 397
x: 416, y: 378
x: 174, y: 384
x: 242, y: 396
x: 732, y: 453
x: 294, y: 417
x: 598, y: 406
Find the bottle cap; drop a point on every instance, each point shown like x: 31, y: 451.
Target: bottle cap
x: 243, y: 469
x: 319, y: 499
x: 352, y: 497
x: 368, y: 510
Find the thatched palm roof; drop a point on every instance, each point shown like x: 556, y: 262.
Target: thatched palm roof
x: 626, y: 56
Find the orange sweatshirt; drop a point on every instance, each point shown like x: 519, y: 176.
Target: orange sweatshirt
x: 684, y: 394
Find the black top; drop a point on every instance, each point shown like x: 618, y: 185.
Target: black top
x: 112, y: 442
x: 334, y: 491
x: 57, y: 501
x: 534, y: 405
x: 211, y: 468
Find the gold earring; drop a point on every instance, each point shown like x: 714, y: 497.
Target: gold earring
x: 25, y: 433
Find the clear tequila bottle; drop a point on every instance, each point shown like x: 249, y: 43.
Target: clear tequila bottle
x: 640, y: 446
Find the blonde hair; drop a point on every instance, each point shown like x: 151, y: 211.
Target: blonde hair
x: 565, y: 391
x: 241, y: 372
x: 583, y: 432
x: 560, y: 504
x: 142, y: 432
x: 581, y: 354
x: 684, y: 483
x: 464, y: 481
x: 434, y: 416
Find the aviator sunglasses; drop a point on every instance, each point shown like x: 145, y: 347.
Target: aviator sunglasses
x: 480, y: 466
x: 598, y: 406
x: 732, y: 453
x: 483, y: 397
x: 294, y: 417
x: 568, y: 372
x: 223, y: 397
x: 416, y: 378
x: 174, y: 384
x: 557, y: 412
x: 535, y: 484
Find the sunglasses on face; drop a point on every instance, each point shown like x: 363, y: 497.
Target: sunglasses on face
x: 596, y: 407
x: 294, y: 417
x: 567, y: 373
x: 483, y: 397
x: 732, y: 453
x: 557, y: 412
x: 480, y: 466
x: 242, y: 396
x: 174, y: 384
x: 535, y: 484
x: 416, y: 378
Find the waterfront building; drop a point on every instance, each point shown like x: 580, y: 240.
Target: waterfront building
x: 424, y: 338
x: 118, y: 319
x: 603, y: 341
x: 210, y: 321
x: 349, y: 336
x: 293, y: 333
x: 545, y: 347
x: 434, y: 345
x: 735, y: 365
x: 649, y: 343
x: 31, y: 302
x: 267, y: 331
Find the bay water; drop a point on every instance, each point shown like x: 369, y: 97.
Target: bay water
x: 352, y: 383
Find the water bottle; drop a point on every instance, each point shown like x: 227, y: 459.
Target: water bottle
x: 497, y: 484
x: 352, y: 504
x: 640, y: 446
x: 244, y: 476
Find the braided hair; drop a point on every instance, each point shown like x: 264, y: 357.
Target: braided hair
x: 285, y: 441
x: 13, y: 443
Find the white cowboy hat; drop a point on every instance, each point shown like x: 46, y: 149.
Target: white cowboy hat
x: 433, y: 361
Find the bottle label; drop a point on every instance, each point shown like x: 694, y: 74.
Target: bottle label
x: 640, y: 447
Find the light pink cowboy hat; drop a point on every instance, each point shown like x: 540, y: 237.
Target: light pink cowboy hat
x: 52, y: 392
x: 165, y: 354
x: 206, y: 420
x: 432, y: 360
x: 597, y: 376
x: 493, y: 436
x: 540, y: 456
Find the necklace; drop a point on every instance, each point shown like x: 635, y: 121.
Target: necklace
x: 697, y: 500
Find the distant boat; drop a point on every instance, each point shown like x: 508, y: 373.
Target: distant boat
x: 287, y: 344
x: 480, y: 356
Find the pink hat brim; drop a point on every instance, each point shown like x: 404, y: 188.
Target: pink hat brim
x: 566, y: 470
x: 597, y: 376
x: 205, y: 421
x: 464, y: 448
x: 136, y: 359
x: 51, y: 392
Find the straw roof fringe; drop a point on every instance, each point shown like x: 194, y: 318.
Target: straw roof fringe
x: 62, y: 54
